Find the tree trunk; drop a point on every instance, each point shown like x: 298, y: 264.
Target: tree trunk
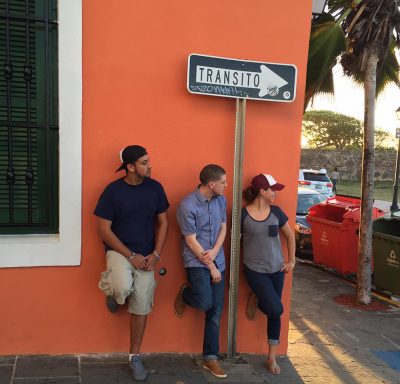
x: 367, y: 181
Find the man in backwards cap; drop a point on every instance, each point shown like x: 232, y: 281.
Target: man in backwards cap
x: 128, y: 212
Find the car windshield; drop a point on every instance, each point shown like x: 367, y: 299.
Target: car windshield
x: 316, y: 177
x: 304, y: 202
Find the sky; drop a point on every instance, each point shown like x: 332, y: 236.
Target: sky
x: 349, y: 100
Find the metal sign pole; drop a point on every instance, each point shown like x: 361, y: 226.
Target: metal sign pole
x: 235, y: 234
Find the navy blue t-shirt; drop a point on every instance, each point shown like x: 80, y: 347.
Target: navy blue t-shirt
x: 133, y: 210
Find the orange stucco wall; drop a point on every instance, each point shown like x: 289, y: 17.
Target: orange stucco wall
x: 134, y: 92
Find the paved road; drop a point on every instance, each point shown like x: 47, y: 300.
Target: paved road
x: 384, y: 205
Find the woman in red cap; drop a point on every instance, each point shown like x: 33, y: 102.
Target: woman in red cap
x: 263, y: 259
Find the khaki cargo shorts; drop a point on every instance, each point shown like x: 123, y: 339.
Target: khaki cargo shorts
x: 121, y: 279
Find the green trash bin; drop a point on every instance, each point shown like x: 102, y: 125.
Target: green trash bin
x: 386, y: 251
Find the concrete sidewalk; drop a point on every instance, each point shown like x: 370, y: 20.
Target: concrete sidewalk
x: 328, y: 343
x: 333, y: 343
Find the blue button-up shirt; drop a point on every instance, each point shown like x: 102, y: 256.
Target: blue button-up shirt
x: 197, y: 215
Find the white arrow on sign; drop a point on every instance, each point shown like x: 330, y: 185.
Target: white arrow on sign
x: 267, y: 81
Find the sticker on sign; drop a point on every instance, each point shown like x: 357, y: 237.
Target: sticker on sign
x: 217, y: 76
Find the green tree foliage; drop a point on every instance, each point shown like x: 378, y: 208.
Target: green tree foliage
x: 383, y: 140
x: 330, y: 130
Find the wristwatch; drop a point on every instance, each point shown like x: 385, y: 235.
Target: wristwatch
x: 131, y: 257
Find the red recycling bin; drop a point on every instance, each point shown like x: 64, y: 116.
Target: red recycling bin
x: 335, y: 228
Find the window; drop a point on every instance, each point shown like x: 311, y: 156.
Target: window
x: 316, y: 177
x: 305, y: 202
x: 63, y: 247
x: 28, y: 117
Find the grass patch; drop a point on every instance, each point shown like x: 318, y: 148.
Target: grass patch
x: 383, y: 190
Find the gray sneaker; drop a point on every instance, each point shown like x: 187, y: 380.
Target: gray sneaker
x: 138, y: 371
x: 111, y: 304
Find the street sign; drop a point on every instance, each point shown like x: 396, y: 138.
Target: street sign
x: 218, y: 76
x: 397, y: 133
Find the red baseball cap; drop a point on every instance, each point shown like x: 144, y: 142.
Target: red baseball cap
x: 264, y: 181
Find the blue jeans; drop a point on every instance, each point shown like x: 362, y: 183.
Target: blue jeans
x: 209, y: 298
x: 268, y: 289
x: 334, y: 181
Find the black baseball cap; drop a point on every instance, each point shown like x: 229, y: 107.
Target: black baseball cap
x: 130, y: 154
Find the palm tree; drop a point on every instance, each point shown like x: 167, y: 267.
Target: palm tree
x: 362, y: 35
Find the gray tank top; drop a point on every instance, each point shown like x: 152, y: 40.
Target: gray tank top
x: 262, y: 251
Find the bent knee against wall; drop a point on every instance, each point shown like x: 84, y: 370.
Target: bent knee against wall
x: 273, y: 312
x: 204, y: 303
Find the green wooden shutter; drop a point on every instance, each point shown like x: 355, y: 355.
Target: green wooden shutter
x: 28, y: 117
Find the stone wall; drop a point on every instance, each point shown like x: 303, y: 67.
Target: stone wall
x: 348, y: 162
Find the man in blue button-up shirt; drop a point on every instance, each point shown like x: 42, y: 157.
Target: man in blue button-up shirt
x: 202, y: 220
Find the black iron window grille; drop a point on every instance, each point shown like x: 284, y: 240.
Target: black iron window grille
x: 28, y: 116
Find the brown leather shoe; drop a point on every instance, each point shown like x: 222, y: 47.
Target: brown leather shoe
x: 180, y: 304
x: 215, y: 368
x: 251, y: 307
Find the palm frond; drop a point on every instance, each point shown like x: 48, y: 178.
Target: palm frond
x: 372, y: 22
x: 340, y: 7
x: 350, y: 27
x: 327, y: 42
x: 388, y: 72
